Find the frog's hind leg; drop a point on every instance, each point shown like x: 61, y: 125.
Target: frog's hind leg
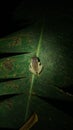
x: 40, y: 68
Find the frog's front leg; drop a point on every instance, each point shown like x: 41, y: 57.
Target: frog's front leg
x: 31, y: 69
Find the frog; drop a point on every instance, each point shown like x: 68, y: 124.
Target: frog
x: 35, y: 65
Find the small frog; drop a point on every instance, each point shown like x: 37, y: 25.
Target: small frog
x: 35, y: 65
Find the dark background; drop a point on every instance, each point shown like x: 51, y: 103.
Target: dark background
x: 12, y: 17
x: 19, y: 14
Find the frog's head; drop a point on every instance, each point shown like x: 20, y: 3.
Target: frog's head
x: 36, y: 58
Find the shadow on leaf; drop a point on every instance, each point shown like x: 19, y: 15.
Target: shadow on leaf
x: 4, y: 55
x: 7, y: 96
x: 9, y: 79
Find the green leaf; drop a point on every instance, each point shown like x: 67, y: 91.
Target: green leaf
x: 55, y: 53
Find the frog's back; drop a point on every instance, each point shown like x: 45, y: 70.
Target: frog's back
x: 35, y: 64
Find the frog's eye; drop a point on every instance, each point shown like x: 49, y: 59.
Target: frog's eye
x: 38, y: 59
